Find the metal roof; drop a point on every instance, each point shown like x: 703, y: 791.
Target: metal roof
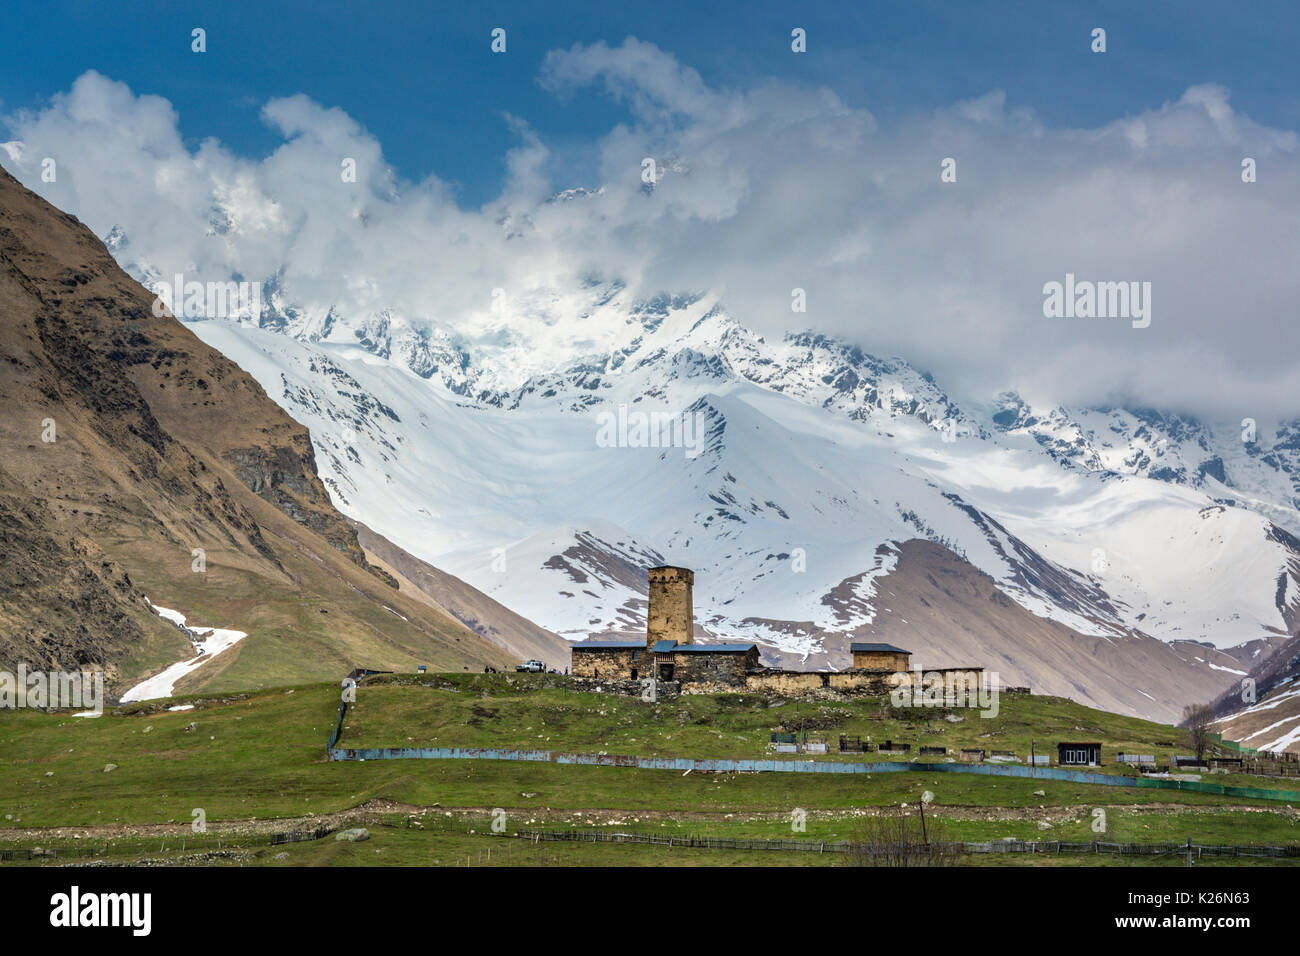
x: 608, y: 645
x: 663, y: 647
x: 715, y: 648
x: 878, y: 648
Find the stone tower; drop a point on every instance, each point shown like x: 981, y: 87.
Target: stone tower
x: 671, y: 616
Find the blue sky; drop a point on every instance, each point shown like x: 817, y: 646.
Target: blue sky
x: 419, y: 76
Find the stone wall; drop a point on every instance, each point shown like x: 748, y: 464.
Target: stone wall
x: 664, y: 689
x: 969, y: 678
x: 865, y: 682
x: 848, y: 683
x: 712, y: 687
x: 790, y: 683
x: 723, y: 668
x: 609, y: 663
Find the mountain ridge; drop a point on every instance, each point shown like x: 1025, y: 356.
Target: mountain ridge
x: 143, y: 468
x: 806, y: 438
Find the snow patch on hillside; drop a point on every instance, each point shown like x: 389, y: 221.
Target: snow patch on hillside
x: 208, y: 643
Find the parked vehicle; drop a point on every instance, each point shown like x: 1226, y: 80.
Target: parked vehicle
x: 532, y: 667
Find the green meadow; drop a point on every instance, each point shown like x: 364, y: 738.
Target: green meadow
x: 249, y: 765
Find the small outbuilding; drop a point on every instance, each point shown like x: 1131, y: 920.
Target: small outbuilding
x: 1079, y: 755
x: 879, y: 657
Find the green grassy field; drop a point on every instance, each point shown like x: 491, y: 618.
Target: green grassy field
x: 527, y: 711
x: 466, y: 840
x: 256, y: 764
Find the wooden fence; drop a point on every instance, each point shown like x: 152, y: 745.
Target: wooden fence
x: 692, y: 841
x: 1132, y: 849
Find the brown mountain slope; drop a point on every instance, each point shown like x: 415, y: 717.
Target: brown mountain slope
x: 161, y: 446
x: 1272, y: 724
x: 1273, y: 721
x: 948, y: 613
x: 471, y: 607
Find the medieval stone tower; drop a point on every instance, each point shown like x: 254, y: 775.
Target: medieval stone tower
x: 671, y: 616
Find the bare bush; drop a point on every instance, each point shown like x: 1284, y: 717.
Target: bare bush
x: 897, y: 837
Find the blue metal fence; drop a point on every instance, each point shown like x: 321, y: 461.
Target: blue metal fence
x: 723, y: 765
x: 338, y: 729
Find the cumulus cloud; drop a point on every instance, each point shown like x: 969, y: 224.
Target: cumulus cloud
x: 761, y: 190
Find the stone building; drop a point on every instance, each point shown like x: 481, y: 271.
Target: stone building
x: 705, y: 663
x: 671, y: 615
x: 670, y: 621
x: 879, y: 657
x: 669, y: 651
x: 611, y: 660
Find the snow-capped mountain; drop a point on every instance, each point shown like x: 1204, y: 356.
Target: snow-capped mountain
x: 576, y: 436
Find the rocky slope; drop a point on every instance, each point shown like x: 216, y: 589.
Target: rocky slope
x: 475, y: 610
x: 138, y: 462
x: 953, y: 615
x: 1263, y: 710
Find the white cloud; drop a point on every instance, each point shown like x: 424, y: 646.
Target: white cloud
x: 761, y: 190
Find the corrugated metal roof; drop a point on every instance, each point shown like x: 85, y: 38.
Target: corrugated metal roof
x: 877, y: 648
x: 715, y: 648
x: 607, y: 645
x: 663, y: 647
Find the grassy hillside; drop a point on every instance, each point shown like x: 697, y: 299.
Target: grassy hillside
x: 255, y: 764
x: 314, y: 623
x: 536, y: 711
